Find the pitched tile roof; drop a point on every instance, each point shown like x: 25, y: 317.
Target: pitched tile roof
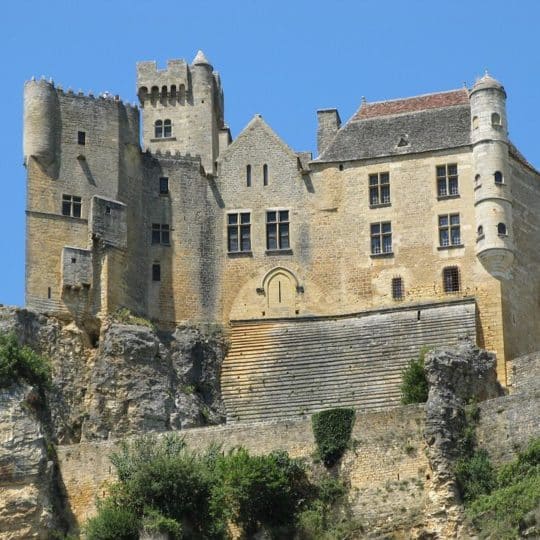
x: 413, y: 104
x: 403, y: 126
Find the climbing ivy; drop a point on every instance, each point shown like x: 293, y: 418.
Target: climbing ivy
x: 332, y: 431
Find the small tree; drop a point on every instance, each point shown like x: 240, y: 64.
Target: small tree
x: 414, y: 385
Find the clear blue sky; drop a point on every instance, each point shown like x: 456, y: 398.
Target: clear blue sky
x: 282, y: 59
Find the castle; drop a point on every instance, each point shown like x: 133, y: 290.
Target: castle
x: 413, y: 204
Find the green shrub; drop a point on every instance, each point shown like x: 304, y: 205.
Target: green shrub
x: 414, y: 386
x: 155, y: 522
x: 21, y: 363
x: 499, y: 501
x: 124, y: 316
x: 260, y: 491
x: 170, y: 488
x: 332, y: 431
x: 112, y: 523
x: 161, y: 473
x: 475, y: 476
x: 498, y: 515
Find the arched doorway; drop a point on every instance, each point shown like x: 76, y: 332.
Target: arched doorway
x: 280, y: 287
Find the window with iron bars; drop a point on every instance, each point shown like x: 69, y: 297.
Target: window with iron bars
x: 397, y: 288
x: 447, y: 180
x: 451, y: 281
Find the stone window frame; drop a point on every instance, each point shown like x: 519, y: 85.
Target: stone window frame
x: 498, y: 178
x: 265, y: 174
x: 449, y: 230
x: 163, y: 185
x: 81, y: 138
x: 163, y: 129
x: 447, y: 180
x: 248, y: 175
x: 238, y: 225
x: 156, y: 272
x: 381, y: 239
x: 379, y: 189
x: 71, y: 205
x: 451, y: 279
x: 161, y: 234
x: 278, y: 230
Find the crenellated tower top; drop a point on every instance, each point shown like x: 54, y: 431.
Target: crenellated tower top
x: 182, y: 108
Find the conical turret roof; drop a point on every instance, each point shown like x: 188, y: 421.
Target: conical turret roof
x: 200, y: 58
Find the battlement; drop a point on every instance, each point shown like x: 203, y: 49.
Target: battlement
x: 105, y: 97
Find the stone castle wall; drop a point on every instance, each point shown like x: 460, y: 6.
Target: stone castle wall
x: 387, y: 470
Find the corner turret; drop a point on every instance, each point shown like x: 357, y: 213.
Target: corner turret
x: 492, y: 177
x: 41, y: 124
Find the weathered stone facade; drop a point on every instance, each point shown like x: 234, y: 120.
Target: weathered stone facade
x: 111, y: 223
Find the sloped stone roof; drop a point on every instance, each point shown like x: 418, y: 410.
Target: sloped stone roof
x: 411, y: 130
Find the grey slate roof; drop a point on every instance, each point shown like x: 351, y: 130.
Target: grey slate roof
x: 422, y: 130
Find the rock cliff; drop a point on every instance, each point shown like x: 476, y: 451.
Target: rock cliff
x: 131, y: 380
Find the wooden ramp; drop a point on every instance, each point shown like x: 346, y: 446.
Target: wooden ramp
x: 291, y: 367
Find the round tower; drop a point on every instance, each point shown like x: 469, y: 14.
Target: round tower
x: 41, y: 122
x: 492, y: 182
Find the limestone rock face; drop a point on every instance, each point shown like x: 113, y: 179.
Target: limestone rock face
x: 131, y: 380
x: 26, y: 474
x: 456, y: 377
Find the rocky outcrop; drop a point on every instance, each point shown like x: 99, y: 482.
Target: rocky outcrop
x: 457, y: 377
x: 27, y: 493
x: 133, y: 379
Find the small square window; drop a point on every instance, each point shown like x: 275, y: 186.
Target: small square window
x: 81, y: 138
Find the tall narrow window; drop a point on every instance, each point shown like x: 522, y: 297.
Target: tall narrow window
x: 501, y: 229
x: 248, y: 175
x: 163, y: 185
x: 447, y: 180
x: 496, y: 119
x: 451, y: 281
x: 449, y: 230
x: 156, y: 272
x: 277, y: 229
x: 161, y: 234
x: 167, y: 128
x: 158, y: 129
x: 265, y: 175
x: 397, y: 288
x: 81, y: 138
x: 239, y: 232
x: 381, y: 238
x: 71, y: 206
x: 379, y: 189
x: 498, y: 177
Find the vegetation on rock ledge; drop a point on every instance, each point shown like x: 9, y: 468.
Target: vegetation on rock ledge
x: 19, y: 362
x: 414, y: 385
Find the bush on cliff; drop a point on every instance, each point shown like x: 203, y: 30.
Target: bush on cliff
x: 506, y: 496
x: 166, y: 486
x: 332, y: 431
x: 414, y: 385
x: 18, y: 362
